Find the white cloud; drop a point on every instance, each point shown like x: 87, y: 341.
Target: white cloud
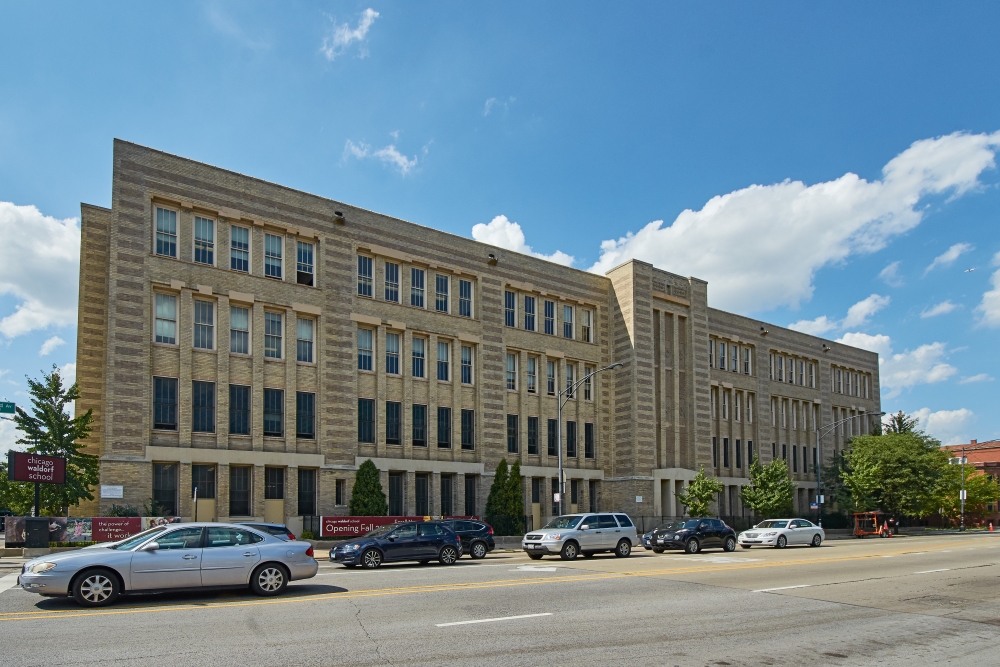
x: 40, y: 267
x: 388, y: 155
x: 8, y: 435
x: 787, y: 231
x: 493, y: 102
x: 890, y: 275
x: 924, y: 365
x: 880, y: 344
x: 982, y: 377
x: 342, y: 36
x: 816, y: 327
x: 859, y: 313
x: 68, y: 373
x: 989, y: 307
x: 503, y: 233
x: 51, y: 344
x: 942, y: 308
x: 948, y: 426
x: 948, y: 257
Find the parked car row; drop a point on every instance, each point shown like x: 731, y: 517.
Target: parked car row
x: 694, y: 535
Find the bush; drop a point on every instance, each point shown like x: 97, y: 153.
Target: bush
x: 123, y: 510
x: 367, y: 497
x: 308, y: 535
x: 70, y: 544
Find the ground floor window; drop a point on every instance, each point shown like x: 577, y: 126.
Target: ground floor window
x: 165, y: 489
x: 307, y: 492
x: 239, y: 490
x: 470, y: 495
x: 396, y: 494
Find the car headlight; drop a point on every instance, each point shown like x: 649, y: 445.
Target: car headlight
x: 352, y: 547
x: 557, y: 536
x: 38, y: 568
x: 768, y: 534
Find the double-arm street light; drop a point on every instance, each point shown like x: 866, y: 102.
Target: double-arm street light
x: 820, y: 432
x: 568, y: 394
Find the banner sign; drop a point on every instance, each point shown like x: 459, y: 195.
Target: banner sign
x: 85, y: 529
x: 113, y: 529
x: 355, y: 526
x: 23, y: 467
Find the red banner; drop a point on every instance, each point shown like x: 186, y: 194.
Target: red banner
x: 113, y: 529
x: 355, y: 526
x: 36, y: 468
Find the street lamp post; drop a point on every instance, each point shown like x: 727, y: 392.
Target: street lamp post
x: 568, y: 393
x: 820, y: 432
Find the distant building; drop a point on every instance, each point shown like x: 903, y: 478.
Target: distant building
x: 984, y: 456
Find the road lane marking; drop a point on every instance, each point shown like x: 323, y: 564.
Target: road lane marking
x: 943, y: 569
x: 8, y: 582
x: 780, y: 588
x: 491, y: 620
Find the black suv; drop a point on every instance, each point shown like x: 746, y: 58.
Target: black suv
x: 476, y: 536
x: 691, y: 535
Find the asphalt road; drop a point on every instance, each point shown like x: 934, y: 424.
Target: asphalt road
x: 912, y: 601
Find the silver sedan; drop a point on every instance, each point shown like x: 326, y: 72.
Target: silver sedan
x: 172, y: 557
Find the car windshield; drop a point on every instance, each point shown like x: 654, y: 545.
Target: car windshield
x: 672, y: 525
x: 380, y: 531
x: 563, y: 522
x: 772, y: 523
x: 138, y: 538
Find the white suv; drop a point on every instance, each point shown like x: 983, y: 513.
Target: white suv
x: 573, y: 534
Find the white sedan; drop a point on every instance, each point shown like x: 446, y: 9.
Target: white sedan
x: 780, y: 533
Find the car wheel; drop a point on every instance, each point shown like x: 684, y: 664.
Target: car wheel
x: 535, y: 556
x: 781, y: 543
x: 448, y: 555
x: 746, y: 546
x: 624, y: 549
x: 729, y: 544
x: 657, y: 551
x: 817, y: 540
x: 478, y: 550
x: 96, y: 588
x: 269, y: 579
x: 692, y: 546
x: 569, y: 551
x: 371, y: 559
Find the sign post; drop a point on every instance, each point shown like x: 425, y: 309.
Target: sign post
x: 23, y: 467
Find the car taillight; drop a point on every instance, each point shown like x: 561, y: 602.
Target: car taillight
x: 309, y: 551
x: 490, y: 532
x: 291, y: 536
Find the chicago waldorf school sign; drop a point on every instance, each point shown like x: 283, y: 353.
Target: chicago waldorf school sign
x: 36, y: 468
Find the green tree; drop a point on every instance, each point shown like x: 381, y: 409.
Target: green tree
x: 515, y: 499
x: 699, y: 494
x: 770, y: 491
x: 367, y: 497
x: 51, y: 431
x: 901, y: 423
x: 980, y: 489
x: 498, y: 502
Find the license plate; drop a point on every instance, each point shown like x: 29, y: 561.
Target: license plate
x: 533, y: 546
x: 659, y: 541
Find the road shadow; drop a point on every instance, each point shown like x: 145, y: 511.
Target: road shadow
x: 195, y: 598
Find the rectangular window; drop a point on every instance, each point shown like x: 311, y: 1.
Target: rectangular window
x: 239, y: 330
x: 272, y: 335
x: 203, y: 479
x: 587, y: 326
x: 239, y: 409
x: 396, y: 480
x: 239, y: 490
x: 204, y: 240
x: 274, y: 413
x: 746, y: 361
x: 272, y: 255
x: 722, y: 356
x: 737, y: 405
x: 532, y: 375
x: 781, y: 369
x: 734, y: 353
x: 204, y: 325
x: 784, y: 452
x: 795, y: 415
x: 749, y: 409
x: 166, y: 319
x: 274, y: 483
x: 588, y: 441
x: 365, y: 274
x: 511, y: 371
x: 304, y: 341
x: 725, y: 404
x: 446, y: 494
x: 550, y: 318
x: 802, y: 373
x: 840, y: 381
x: 784, y: 414
x: 749, y: 452
x: 713, y: 402
x: 738, y: 448
x: 470, y: 495
x: 239, y: 249
x: 725, y: 452
x: 392, y: 282
x: 571, y: 439
x: 509, y: 306
x: 466, y: 364
x: 465, y: 298
x: 418, y: 357
x: 529, y: 313
x: 711, y: 353
x: 366, y: 420
x: 420, y: 484
x: 417, y: 287
x: 203, y: 407
x: 574, y: 492
x: 715, y: 452
x: 304, y: 271
x: 305, y: 415
x: 441, y: 288
x: 536, y: 490
x: 553, y: 437
x: 392, y: 354
x: 812, y: 375
x: 444, y: 428
x: 864, y: 387
x: 307, y: 492
x: 512, y: 427
x: 393, y: 425
x: 468, y: 429
x: 365, y: 349
x: 340, y: 492
x: 570, y: 379
x: 805, y: 459
x: 791, y: 370
x: 444, y: 361
x: 550, y: 379
x: 770, y: 367
x: 166, y: 232
x: 567, y: 321
x: 532, y: 435
x: 419, y: 425
x: 165, y: 403
x: 795, y: 458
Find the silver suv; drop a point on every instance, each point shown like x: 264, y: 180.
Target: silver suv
x: 570, y: 535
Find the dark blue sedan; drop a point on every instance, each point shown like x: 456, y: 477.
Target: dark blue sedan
x: 420, y: 541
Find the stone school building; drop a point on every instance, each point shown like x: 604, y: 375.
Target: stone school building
x: 258, y: 343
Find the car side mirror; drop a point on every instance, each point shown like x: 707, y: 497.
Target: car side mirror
x: 150, y: 546
x: 585, y: 527
x: 391, y: 538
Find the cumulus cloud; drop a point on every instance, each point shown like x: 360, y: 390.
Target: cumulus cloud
x: 982, y: 377
x: 924, y: 365
x: 890, y: 275
x: 503, y: 233
x: 342, y: 36
x: 8, y: 435
x: 389, y: 155
x: 51, y: 344
x: 948, y: 426
x: 989, y: 308
x: 880, y: 343
x: 39, y: 267
x: 857, y: 315
x: 816, y: 327
x: 948, y: 257
x: 942, y: 308
x: 787, y: 231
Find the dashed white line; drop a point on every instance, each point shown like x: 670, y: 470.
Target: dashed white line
x: 943, y: 569
x: 491, y: 620
x: 779, y: 588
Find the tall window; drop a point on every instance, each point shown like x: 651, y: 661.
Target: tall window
x: 417, y: 287
x: 364, y: 349
x: 443, y: 361
x: 725, y: 404
x: 532, y: 435
x: 511, y: 370
x: 204, y: 240
x: 239, y: 409
x: 166, y: 319
x: 512, y: 427
x: 392, y: 282
x: 532, y: 375
x: 392, y: 354
x: 305, y: 272
x: 444, y: 428
x: 239, y: 249
x: 749, y: 409
x: 420, y: 484
x: 567, y: 321
x: 749, y: 452
x: 203, y: 479
x: 441, y: 285
x: 272, y: 255
x: 165, y: 488
x: 737, y: 406
x: 571, y: 439
x: 272, y: 335
x: 812, y: 375
x: 802, y: 373
x: 725, y: 452
x: 305, y: 415
x: 203, y: 407
x: 274, y: 413
x: 419, y: 425
x: 550, y: 379
x: 570, y: 379
x: 166, y: 232
x: 274, y: 483
x: 465, y: 298
x: 418, y: 357
x: 553, y: 437
x: 466, y: 364
x: 734, y: 354
x: 304, y: 339
x: 165, y: 403
x: 588, y: 383
x: 722, y: 356
x: 791, y: 370
x: 239, y: 490
x: 711, y: 353
x: 366, y: 420
x: 588, y: 440
x: 587, y: 325
x: 393, y: 422
x: 529, y: 313
x: 239, y: 330
x: 204, y: 325
x: 715, y: 452
x: 864, y: 387
x: 468, y: 429
x: 446, y: 494
x: 307, y: 492
x: 364, y: 275
x: 746, y: 361
x: 550, y: 318
x: 509, y: 306
x: 781, y: 369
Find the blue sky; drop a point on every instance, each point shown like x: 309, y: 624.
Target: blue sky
x: 811, y: 161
